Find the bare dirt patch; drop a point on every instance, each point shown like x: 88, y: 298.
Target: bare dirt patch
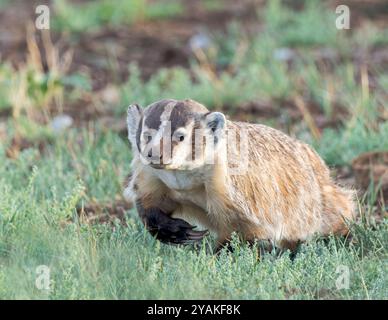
x: 287, y: 112
x: 372, y: 167
x: 18, y: 144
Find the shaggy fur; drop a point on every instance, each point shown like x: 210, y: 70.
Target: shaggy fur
x: 286, y: 194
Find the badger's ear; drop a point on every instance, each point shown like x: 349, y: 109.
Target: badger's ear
x: 215, y: 121
x: 134, y: 116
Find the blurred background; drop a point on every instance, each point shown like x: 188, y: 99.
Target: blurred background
x: 64, y: 155
x: 281, y: 63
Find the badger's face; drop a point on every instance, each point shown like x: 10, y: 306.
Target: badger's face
x: 175, y: 135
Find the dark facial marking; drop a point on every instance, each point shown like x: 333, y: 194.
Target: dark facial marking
x: 154, y: 113
x: 179, y: 116
x: 183, y: 112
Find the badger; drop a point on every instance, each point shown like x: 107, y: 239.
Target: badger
x: 192, y: 164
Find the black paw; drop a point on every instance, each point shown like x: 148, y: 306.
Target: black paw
x: 172, y: 230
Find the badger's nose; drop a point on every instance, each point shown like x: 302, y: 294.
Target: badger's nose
x: 158, y: 159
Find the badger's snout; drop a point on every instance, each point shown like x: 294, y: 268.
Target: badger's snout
x: 158, y: 155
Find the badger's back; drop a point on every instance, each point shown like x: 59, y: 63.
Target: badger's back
x: 286, y: 193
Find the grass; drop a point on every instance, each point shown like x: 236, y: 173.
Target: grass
x: 94, y: 15
x: 5, y: 85
x: 42, y: 189
x: 303, y: 29
x: 40, y: 193
x: 215, y: 91
x: 211, y: 5
x: 340, y: 147
x: 31, y: 91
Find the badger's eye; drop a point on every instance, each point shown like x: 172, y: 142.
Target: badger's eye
x: 179, y: 135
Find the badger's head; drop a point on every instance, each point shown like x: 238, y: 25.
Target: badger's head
x: 176, y: 135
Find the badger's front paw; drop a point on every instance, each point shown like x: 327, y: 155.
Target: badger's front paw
x: 172, y: 230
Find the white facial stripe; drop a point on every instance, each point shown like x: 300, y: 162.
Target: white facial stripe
x: 165, y: 116
x: 165, y: 126
x: 183, y: 150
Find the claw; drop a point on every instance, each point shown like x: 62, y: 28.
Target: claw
x: 180, y: 236
x: 197, y: 235
x: 172, y: 230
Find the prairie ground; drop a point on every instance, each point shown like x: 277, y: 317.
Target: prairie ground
x: 64, y: 153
